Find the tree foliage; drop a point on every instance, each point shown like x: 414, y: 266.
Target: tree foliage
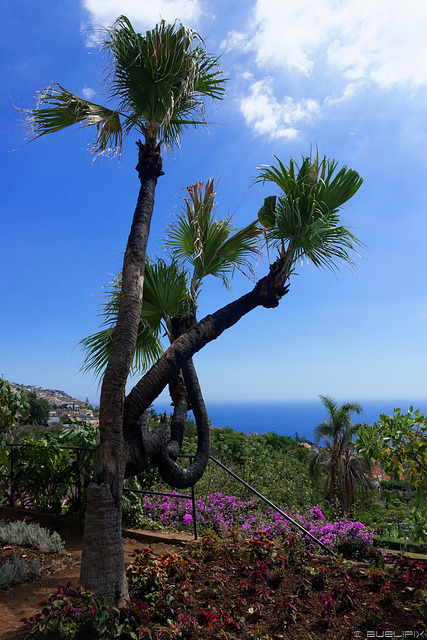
x: 158, y: 81
x: 399, y: 443
x: 38, y: 409
x: 14, y: 407
x: 304, y: 219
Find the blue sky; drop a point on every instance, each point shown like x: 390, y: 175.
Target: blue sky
x: 349, y: 77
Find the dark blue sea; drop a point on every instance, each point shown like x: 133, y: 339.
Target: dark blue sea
x: 287, y: 417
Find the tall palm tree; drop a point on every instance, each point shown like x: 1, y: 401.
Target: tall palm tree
x: 157, y: 83
x: 346, y: 473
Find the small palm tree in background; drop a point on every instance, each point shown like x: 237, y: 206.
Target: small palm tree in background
x: 347, y: 476
x: 157, y: 83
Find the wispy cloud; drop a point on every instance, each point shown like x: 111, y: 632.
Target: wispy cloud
x: 384, y: 42
x: 88, y: 93
x: 271, y: 117
x: 143, y: 14
x: 337, y: 47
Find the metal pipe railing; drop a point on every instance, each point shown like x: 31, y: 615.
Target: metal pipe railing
x: 273, y: 506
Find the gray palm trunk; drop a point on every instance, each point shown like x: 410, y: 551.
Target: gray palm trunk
x: 102, y: 567
x: 267, y: 293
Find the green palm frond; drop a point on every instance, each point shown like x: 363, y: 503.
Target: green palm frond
x: 212, y: 247
x: 304, y: 218
x: 97, y: 348
x: 158, y: 82
x: 58, y: 109
x: 162, y: 78
x: 164, y: 296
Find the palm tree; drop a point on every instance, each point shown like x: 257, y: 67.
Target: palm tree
x: 310, y: 198
x: 158, y: 82
x: 203, y: 246
x: 346, y: 474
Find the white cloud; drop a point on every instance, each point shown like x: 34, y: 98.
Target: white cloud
x: 272, y: 118
x: 331, y: 50
x: 382, y: 41
x: 88, y: 93
x: 142, y: 13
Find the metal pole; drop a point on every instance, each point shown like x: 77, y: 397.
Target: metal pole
x: 270, y: 504
x: 12, y: 484
x: 193, y: 503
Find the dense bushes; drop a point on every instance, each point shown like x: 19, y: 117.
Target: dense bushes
x: 276, y: 466
x: 50, y: 477
x: 48, y: 473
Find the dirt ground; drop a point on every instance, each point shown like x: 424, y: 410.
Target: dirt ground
x: 21, y: 600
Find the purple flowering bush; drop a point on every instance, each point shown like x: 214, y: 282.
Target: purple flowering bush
x: 222, y: 514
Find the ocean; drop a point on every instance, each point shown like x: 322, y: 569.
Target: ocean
x: 287, y: 417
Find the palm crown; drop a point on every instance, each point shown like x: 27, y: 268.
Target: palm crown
x: 303, y: 220
x: 158, y: 82
x: 210, y: 246
x: 347, y: 476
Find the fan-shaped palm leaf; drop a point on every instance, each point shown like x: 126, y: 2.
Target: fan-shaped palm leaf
x: 158, y: 80
x: 304, y: 218
x: 165, y: 296
x: 58, y: 109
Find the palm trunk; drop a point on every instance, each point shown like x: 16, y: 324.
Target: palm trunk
x: 103, y: 568
x: 267, y: 293
x: 169, y: 470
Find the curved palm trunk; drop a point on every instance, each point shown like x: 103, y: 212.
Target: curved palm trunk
x: 102, y: 568
x: 267, y: 293
x: 170, y: 471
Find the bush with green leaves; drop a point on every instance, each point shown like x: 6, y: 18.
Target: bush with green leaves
x: 31, y: 535
x: 49, y: 471
x: 399, y: 442
x: 274, y: 465
x: 13, y: 408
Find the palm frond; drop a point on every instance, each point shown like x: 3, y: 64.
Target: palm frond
x: 158, y: 83
x: 304, y: 217
x: 212, y: 247
x: 162, y: 77
x: 164, y: 296
x: 58, y: 109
